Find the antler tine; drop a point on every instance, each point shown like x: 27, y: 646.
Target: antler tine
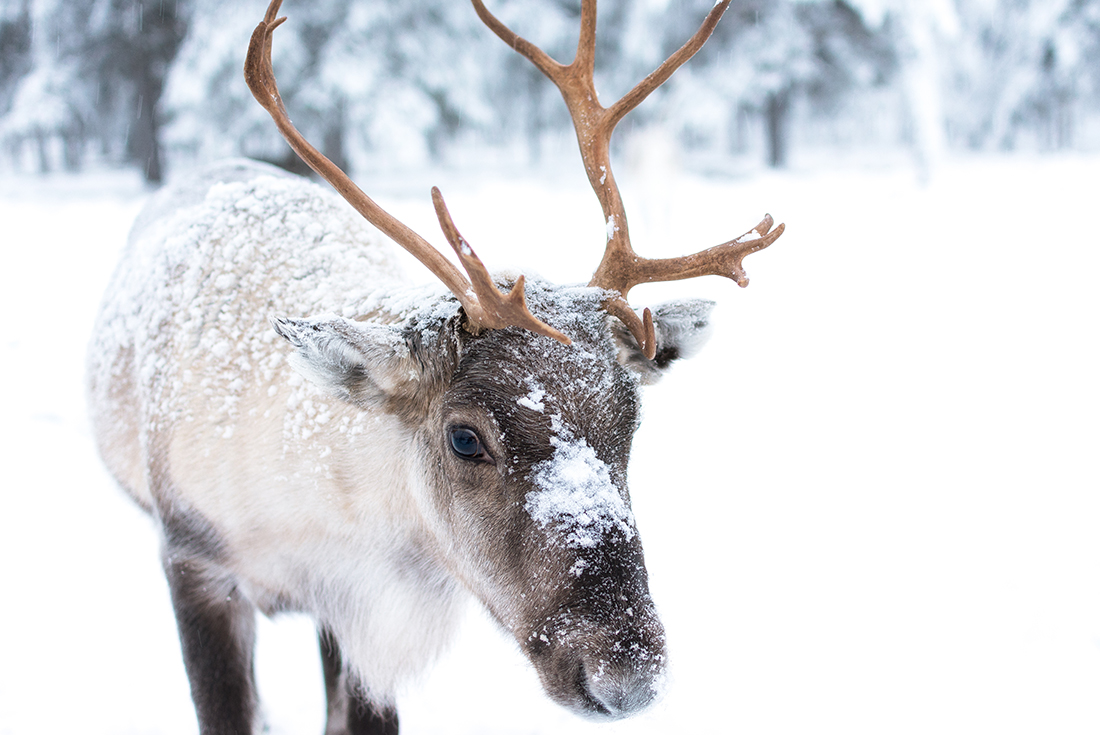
x: 661, y: 74
x: 486, y: 307
x: 501, y: 310
x: 585, y: 60
x: 542, y: 61
x: 640, y: 327
x: 720, y: 260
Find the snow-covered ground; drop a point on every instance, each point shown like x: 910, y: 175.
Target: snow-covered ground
x: 871, y: 505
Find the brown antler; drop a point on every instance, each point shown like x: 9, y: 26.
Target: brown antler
x: 486, y: 307
x: 621, y: 268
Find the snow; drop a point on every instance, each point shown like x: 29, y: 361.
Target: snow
x: 575, y: 497
x: 869, y: 504
x: 533, y: 399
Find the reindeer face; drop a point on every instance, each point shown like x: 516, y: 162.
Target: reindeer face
x: 525, y: 442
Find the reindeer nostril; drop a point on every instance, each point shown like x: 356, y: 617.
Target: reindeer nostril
x: 592, y: 699
x: 616, y: 691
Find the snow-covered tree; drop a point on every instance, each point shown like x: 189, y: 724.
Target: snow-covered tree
x: 920, y: 32
x: 41, y: 111
x: 133, y: 45
x: 766, y: 54
x: 1023, y: 71
x: 96, y: 72
x: 15, y: 49
x: 371, y: 82
x: 379, y: 84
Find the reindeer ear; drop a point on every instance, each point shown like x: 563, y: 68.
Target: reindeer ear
x: 681, y: 329
x: 357, y: 362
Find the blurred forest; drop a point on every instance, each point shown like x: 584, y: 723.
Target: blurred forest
x: 380, y: 85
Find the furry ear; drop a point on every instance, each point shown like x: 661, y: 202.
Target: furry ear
x: 359, y: 363
x: 681, y: 329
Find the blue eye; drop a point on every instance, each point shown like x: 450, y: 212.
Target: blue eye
x: 466, y: 443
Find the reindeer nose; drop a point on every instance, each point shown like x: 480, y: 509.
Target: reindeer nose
x: 623, y: 690
x: 619, y: 672
x: 601, y: 672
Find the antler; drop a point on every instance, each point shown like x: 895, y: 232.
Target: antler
x: 621, y: 268
x: 486, y: 307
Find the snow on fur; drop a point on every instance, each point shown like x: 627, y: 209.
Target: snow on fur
x: 255, y: 232
x: 576, y: 496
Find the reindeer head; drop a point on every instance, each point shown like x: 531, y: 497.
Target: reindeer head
x: 524, y: 401
x: 523, y: 445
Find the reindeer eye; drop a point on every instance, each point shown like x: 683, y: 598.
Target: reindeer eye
x: 466, y: 443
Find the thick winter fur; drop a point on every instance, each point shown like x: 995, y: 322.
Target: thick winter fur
x: 263, y: 384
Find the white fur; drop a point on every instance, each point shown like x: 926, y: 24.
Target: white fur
x: 286, y: 472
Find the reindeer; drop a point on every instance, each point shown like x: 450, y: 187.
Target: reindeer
x: 386, y: 451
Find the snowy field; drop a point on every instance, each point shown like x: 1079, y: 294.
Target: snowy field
x: 871, y: 505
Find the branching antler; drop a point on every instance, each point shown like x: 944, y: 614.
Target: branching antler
x: 485, y: 306
x: 507, y: 309
x: 621, y: 268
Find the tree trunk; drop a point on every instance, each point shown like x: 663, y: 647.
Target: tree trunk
x: 42, y: 143
x: 73, y: 147
x: 777, y: 123
x: 144, y: 143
